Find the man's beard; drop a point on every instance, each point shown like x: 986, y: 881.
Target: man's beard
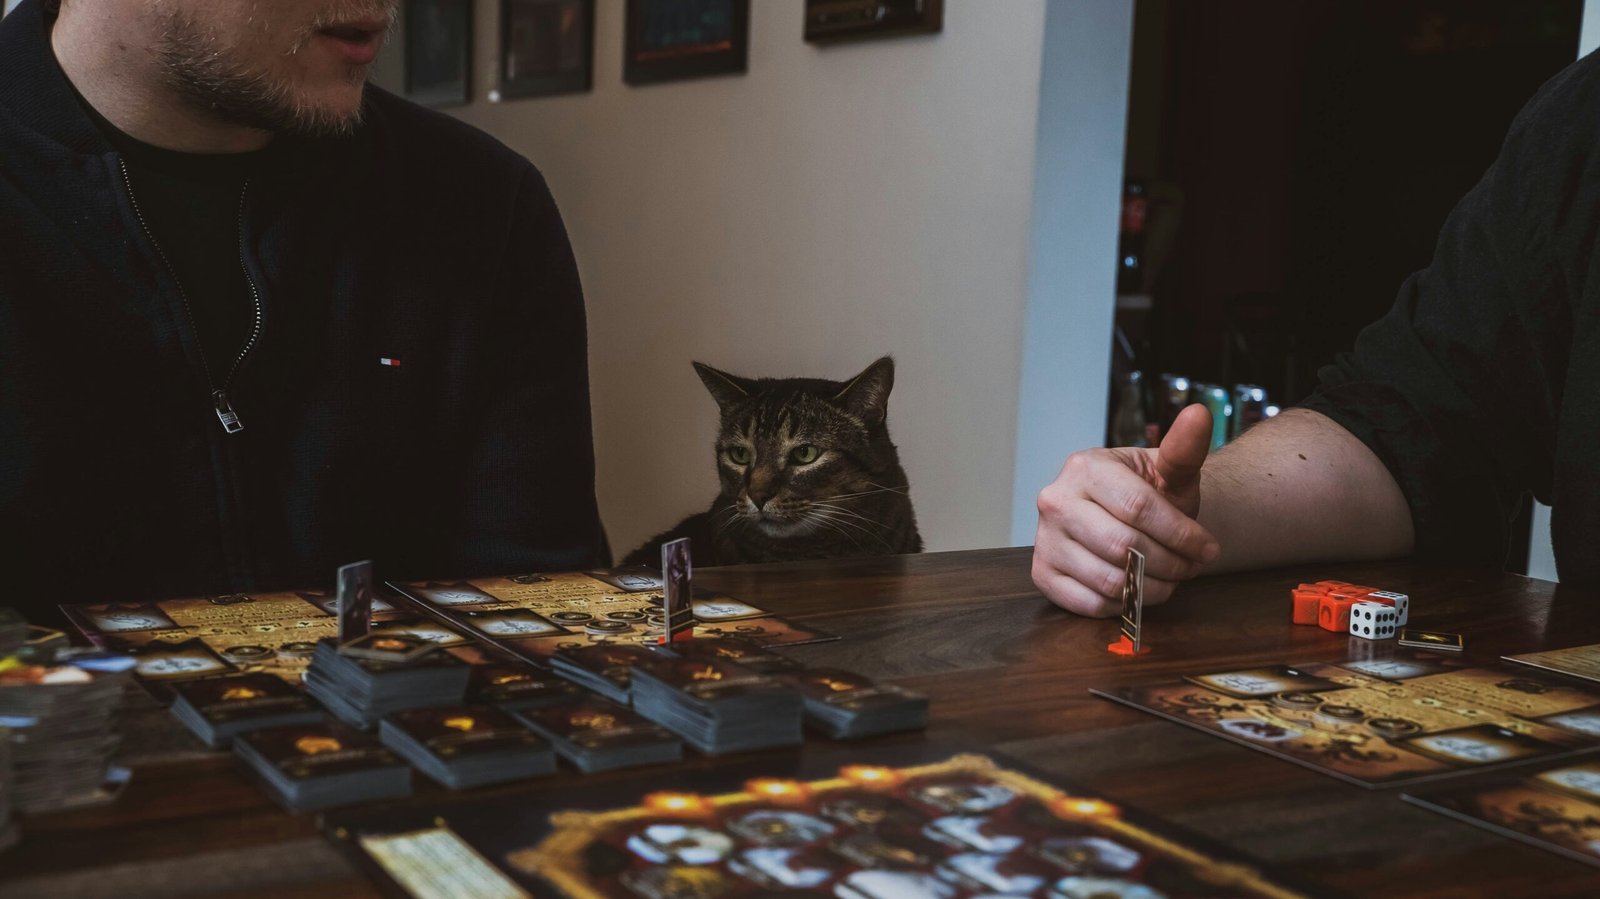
x: 202, y: 70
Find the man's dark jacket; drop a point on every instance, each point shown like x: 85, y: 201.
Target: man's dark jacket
x: 419, y: 241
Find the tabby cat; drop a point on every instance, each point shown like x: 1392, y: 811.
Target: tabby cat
x: 808, y: 472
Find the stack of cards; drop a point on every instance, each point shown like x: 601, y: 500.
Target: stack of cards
x: 59, y: 717
x: 605, y: 668
x: 846, y: 706
x: 218, y: 708
x: 467, y: 746
x: 595, y: 735
x: 362, y: 690
x: 717, y: 706
x: 744, y: 653
x: 517, y: 687
x: 316, y: 766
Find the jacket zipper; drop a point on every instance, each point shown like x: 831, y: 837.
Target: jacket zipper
x: 220, y: 402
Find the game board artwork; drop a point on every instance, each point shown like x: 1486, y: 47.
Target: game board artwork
x: 208, y: 636
x: 1382, y: 722
x: 1557, y: 809
x: 961, y: 827
x: 531, y: 616
x: 1575, y: 661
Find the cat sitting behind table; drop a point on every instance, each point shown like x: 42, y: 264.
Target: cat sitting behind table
x: 807, y: 470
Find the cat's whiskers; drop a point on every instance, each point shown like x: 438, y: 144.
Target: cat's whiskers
x: 841, y: 510
x: 820, y: 516
x: 818, y: 520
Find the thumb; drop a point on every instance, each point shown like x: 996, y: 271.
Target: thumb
x: 1184, y: 449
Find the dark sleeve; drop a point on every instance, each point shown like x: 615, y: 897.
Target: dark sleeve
x: 1458, y: 388
x: 532, y: 468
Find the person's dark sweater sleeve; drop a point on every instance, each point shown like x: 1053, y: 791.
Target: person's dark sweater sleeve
x: 532, y: 467
x: 1458, y: 388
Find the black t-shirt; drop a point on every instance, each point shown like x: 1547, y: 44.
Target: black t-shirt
x: 1479, y: 386
x: 191, y: 204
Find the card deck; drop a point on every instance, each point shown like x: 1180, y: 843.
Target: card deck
x: 514, y: 687
x: 360, y: 691
x: 595, y: 735
x: 60, y: 718
x: 316, y: 766
x: 219, y: 708
x: 606, y: 669
x: 467, y: 746
x: 394, y: 648
x: 848, y: 706
x: 717, y: 706
x: 745, y: 653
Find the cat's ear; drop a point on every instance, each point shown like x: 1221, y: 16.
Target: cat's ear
x: 725, y: 388
x: 867, y: 395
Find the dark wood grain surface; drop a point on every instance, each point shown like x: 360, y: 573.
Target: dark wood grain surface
x: 1004, y: 669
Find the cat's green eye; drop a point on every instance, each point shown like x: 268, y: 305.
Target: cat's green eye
x: 804, y: 454
x: 739, y: 455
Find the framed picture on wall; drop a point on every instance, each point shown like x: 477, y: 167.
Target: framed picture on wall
x: 669, y: 40
x: 546, y: 47
x: 438, y: 42
x: 832, y: 21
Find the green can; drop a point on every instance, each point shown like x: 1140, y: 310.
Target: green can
x: 1220, y: 403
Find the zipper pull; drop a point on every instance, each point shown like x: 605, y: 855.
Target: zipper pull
x: 225, y: 414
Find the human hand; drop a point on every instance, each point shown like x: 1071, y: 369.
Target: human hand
x: 1107, y: 501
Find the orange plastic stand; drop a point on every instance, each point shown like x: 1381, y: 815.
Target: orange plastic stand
x: 1124, y: 647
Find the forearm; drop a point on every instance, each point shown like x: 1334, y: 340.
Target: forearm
x: 1299, y: 488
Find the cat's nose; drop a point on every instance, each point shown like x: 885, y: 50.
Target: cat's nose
x: 760, y: 498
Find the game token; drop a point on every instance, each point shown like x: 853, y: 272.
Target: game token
x: 1341, y: 713
x: 603, y: 628
x: 571, y: 617
x: 249, y: 653
x: 1394, y: 728
x: 297, y: 650
x: 354, y: 602
x: 1443, y: 641
x: 677, y: 571
x: 1130, y: 641
x: 1295, y: 699
x: 626, y: 615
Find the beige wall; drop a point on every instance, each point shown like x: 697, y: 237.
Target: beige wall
x: 827, y: 207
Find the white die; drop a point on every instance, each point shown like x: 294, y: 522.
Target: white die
x: 1400, y: 601
x: 1372, y: 620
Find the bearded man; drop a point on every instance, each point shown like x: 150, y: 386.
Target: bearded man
x: 259, y: 318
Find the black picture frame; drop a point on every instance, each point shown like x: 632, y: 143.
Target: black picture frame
x: 838, y: 21
x: 671, y: 40
x: 546, y: 47
x: 438, y: 52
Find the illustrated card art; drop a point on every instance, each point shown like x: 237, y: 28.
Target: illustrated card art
x: 1557, y: 808
x: 1382, y: 722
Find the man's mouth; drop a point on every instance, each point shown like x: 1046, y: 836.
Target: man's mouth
x: 358, y: 41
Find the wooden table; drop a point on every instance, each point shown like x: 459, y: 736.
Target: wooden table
x: 1004, y: 668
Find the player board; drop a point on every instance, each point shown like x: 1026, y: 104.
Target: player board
x: 1382, y: 722
x: 1555, y: 808
x: 896, y: 821
x: 208, y: 636
x: 1576, y: 661
x: 533, y: 615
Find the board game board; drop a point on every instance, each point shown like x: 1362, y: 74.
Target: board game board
x: 1575, y: 661
x: 208, y: 636
x: 531, y: 616
x: 1382, y: 722
x: 1553, y: 808
x: 902, y: 821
